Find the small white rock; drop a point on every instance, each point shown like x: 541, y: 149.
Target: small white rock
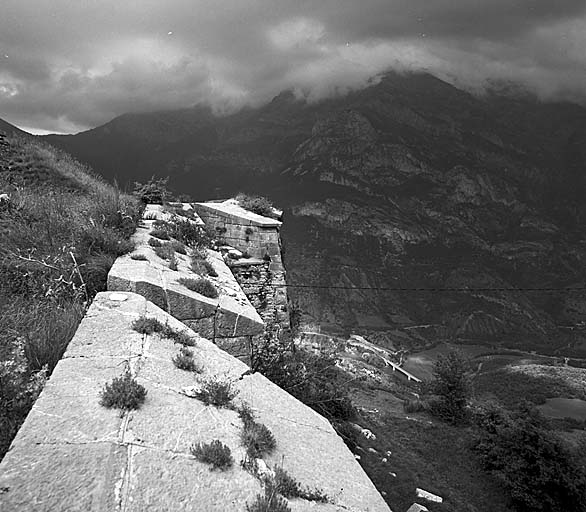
x: 428, y: 496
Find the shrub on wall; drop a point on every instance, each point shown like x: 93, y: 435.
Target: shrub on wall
x: 256, y: 204
x: 154, y: 191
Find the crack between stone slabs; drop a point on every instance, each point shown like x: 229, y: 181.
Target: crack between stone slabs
x: 313, y: 427
x: 101, y: 358
x: 124, y: 484
x: 164, y: 288
x: 117, y: 443
x: 104, y: 440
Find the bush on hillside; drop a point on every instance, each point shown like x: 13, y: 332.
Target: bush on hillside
x: 539, y: 471
x: 313, y: 379
x: 452, y: 385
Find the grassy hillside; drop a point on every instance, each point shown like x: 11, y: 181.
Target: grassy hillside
x: 61, y: 227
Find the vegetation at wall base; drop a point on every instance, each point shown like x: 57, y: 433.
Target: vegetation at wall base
x: 313, y: 379
x: 61, y: 229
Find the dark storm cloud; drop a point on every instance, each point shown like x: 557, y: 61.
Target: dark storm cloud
x: 67, y: 65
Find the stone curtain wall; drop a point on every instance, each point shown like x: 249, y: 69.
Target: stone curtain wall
x: 263, y: 282
x: 265, y: 288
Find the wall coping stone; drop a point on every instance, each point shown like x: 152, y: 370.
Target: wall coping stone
x: 232, y: 210
x: 73, y: 454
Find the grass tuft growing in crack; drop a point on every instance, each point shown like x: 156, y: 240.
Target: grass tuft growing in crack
x: 217, y: 392
x: 269, y: 501
x: 147, y: 325
x: 160, y: 234
x: 255, y: 437
x: 288, y: 487
x: 216, y: 454
x: 123, y: 393
x: 184, y: 361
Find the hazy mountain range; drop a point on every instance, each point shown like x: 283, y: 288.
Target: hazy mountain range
x: 396, y: 198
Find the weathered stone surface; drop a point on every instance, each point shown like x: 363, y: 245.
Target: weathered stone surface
x: 230, y: 210
x: 61, y: 477
x: 68, y: 410
x: 188, y: 485
x: 73, y: 454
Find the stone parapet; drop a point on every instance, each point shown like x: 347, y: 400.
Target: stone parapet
x: 250, y: 233
x: 72, y: 454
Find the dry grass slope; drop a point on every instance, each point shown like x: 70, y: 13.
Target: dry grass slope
x: 61, y: 230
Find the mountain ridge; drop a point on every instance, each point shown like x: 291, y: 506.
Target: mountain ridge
x: 407, y: 184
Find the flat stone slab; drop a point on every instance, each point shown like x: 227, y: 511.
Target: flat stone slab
x: 231, y: 209
x: 231, y: 314
x: 72, y: 454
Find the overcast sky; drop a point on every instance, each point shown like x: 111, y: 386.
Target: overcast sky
x: 68, y: 65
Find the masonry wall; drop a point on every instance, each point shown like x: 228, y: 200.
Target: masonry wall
x: 264, y: 281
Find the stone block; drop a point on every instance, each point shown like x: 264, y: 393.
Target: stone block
x: 188, y: 485
x: 72, y: 478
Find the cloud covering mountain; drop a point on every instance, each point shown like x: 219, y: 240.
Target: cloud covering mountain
x: 66, y: 66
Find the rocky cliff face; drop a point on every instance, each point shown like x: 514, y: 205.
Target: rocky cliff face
x: 395, y: 196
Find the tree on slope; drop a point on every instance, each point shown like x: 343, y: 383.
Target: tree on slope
x: 452, y: 386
